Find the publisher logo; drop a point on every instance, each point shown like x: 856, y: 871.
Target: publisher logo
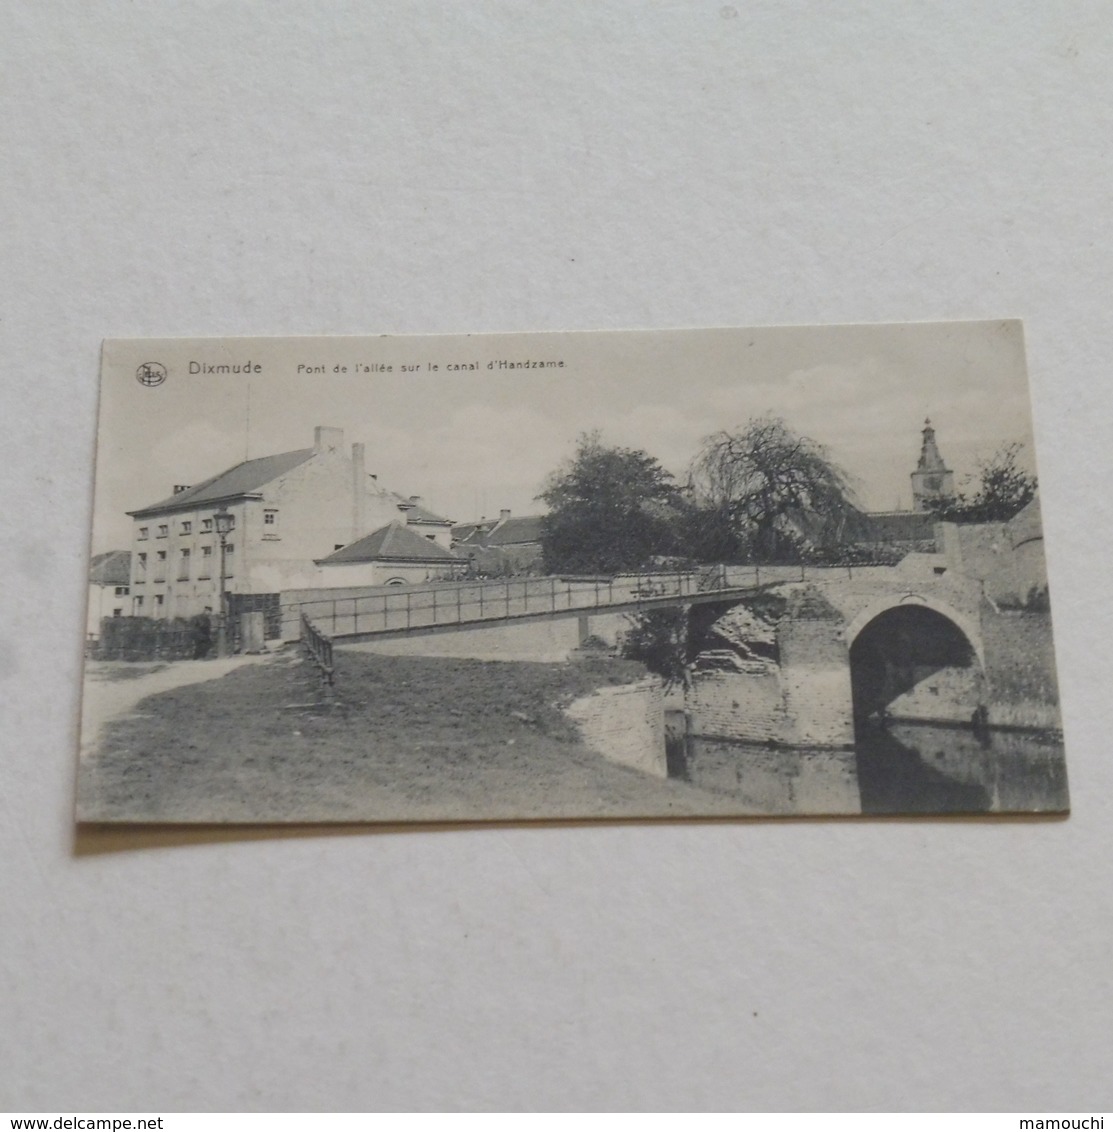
x: 151, y: 374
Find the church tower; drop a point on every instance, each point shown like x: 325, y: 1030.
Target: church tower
x: 932, y: 481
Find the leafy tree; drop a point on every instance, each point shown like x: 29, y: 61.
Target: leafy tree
x: 765, y: 494
x: 659, y: 639
x: 1003, y: 489
x: 610, y: 509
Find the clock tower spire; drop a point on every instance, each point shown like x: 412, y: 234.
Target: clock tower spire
x: 932, y: 481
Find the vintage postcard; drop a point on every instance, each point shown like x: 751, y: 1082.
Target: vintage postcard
x: 678, y: 573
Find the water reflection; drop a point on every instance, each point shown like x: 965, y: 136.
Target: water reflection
x: 920, y: 768
x: 898, y: 769
x: 765, y: 780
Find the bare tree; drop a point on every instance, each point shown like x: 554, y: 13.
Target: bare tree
x: 767, y: 493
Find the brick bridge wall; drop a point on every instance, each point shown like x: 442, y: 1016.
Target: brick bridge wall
x: 1020, y: 669
x: 815, y: 676
x: 803, y: 700
x: 748, y: 706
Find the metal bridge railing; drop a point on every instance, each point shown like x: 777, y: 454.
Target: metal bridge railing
x: 444, y: 604
x: 320, y: 648
x: 461, y: 603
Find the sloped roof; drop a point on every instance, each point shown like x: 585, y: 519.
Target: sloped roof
x: 393, y: 543
x: 512, y: 531
x: 468, y: 531
x: 244, y: 478
x: 894, y: 526
x: 415, y: 513
x: 110, y: 569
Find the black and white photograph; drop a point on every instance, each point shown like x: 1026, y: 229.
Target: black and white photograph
x: 557, y: 560
x: 787, y: 571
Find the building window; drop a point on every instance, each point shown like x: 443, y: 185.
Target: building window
x: 229, y: 551
x: 183, y: 565
x: 140, y: 567
x: 206, y: 526
x: 138, y: 604
x: 206, y: 570
x: 159, y: 599
x: 143, y: 533
x: 117, y: 612
x: 270, y: 523
x: 160, y: 567
x: 163, y: 530
x: 431, y: 538
x: 187, y: 526
x: 121, y: 591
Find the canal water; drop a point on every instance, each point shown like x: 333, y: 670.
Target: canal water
x: 901, y: 768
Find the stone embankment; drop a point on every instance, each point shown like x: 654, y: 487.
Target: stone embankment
x: 625, y: 723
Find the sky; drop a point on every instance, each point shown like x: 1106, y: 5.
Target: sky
x: 474, y: 441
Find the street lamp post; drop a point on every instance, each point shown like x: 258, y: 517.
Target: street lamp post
x: 224, y: 521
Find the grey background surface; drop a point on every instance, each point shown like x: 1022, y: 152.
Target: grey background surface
x: 230, y: 168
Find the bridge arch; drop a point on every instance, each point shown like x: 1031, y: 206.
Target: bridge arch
x: 915, y: 657
x: 928, y: 601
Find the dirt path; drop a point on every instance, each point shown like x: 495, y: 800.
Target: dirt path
x: 111, y: 691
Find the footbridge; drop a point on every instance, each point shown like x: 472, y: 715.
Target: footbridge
x: 859, y: 593
x: 393, y: 611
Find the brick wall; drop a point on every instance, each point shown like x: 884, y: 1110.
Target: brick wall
x: 745, y: 706
x: 945, y: 695
x: 625, y: 724
x: 805, y: 700
x: 985, y: 551
x: 1020, y: 667
x: 815, y: 678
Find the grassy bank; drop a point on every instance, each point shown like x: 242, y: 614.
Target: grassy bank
x: 403, y: 738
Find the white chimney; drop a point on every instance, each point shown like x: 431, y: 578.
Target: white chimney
x: 504, y: 514
x: 328, y: 441
x: 359, y: 493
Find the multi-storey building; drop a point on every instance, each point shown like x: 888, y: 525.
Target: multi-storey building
x: 288, y: 511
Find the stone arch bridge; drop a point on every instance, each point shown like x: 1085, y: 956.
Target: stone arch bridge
x: 841, y: 645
